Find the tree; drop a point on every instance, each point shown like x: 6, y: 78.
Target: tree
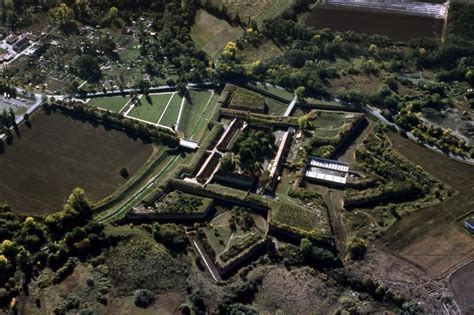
x: 470, y: 76
x: 86, y: 66
x: 227, y: 163
x: 143, y: 298
x: 357, y: 248
x: 124, y: 172
x: 300, y: 92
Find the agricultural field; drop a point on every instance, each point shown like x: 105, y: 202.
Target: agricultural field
x: 112, y: 103
x: 212, y: 34
x: 463, y: 288
x: 59, y: 153
x: 294, y: 218
x: 430, y: 237
x: 397, y: 26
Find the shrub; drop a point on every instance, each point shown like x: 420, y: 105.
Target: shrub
x: 143, y: 298
x: 357, y: 248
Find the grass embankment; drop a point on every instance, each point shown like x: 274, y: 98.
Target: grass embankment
x: 196, y: 114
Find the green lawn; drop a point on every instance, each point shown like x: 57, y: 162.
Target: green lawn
x: 172, y: 112
x: 275, y: 107
x: 329, y: 120
x: 112, y: 103
x: 151, y: 112
x: 194, y: 113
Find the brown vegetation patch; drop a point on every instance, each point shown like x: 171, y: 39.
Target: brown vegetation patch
x: 369, y: 83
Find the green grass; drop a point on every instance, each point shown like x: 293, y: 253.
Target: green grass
x: 171, y: 115
x: 275, y: 107
x: 243, y: 98
x: 276, y: 91
x: 151, y: 112
x: 460, y: 20
x: 196, y: 112
x: 112, y: 103
x: 329, y: 120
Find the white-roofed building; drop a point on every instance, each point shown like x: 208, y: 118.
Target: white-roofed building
x: 326, y: 171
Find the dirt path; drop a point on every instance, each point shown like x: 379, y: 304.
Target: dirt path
x: 334, y: 202
x: 431, y: 238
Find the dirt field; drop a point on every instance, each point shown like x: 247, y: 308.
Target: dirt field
x: 463, y: 286
x: 430, y: 237
x: 399, y: 27
x: 59, y: 153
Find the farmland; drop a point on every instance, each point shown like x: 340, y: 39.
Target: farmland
x: 295, y: 218
x: 399, y: 27
x: 430, y: 237
x: 59, y: 153
x: 213, y: 34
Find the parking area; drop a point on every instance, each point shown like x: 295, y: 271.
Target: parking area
x: 19, y: 105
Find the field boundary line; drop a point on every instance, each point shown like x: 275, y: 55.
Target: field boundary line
x: 126, y: 104
x: 166, y: 108
x: 178, y: 120
x: 131, y: 108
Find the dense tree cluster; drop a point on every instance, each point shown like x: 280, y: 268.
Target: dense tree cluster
x: 28, y: 245
x: 251, y: 149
